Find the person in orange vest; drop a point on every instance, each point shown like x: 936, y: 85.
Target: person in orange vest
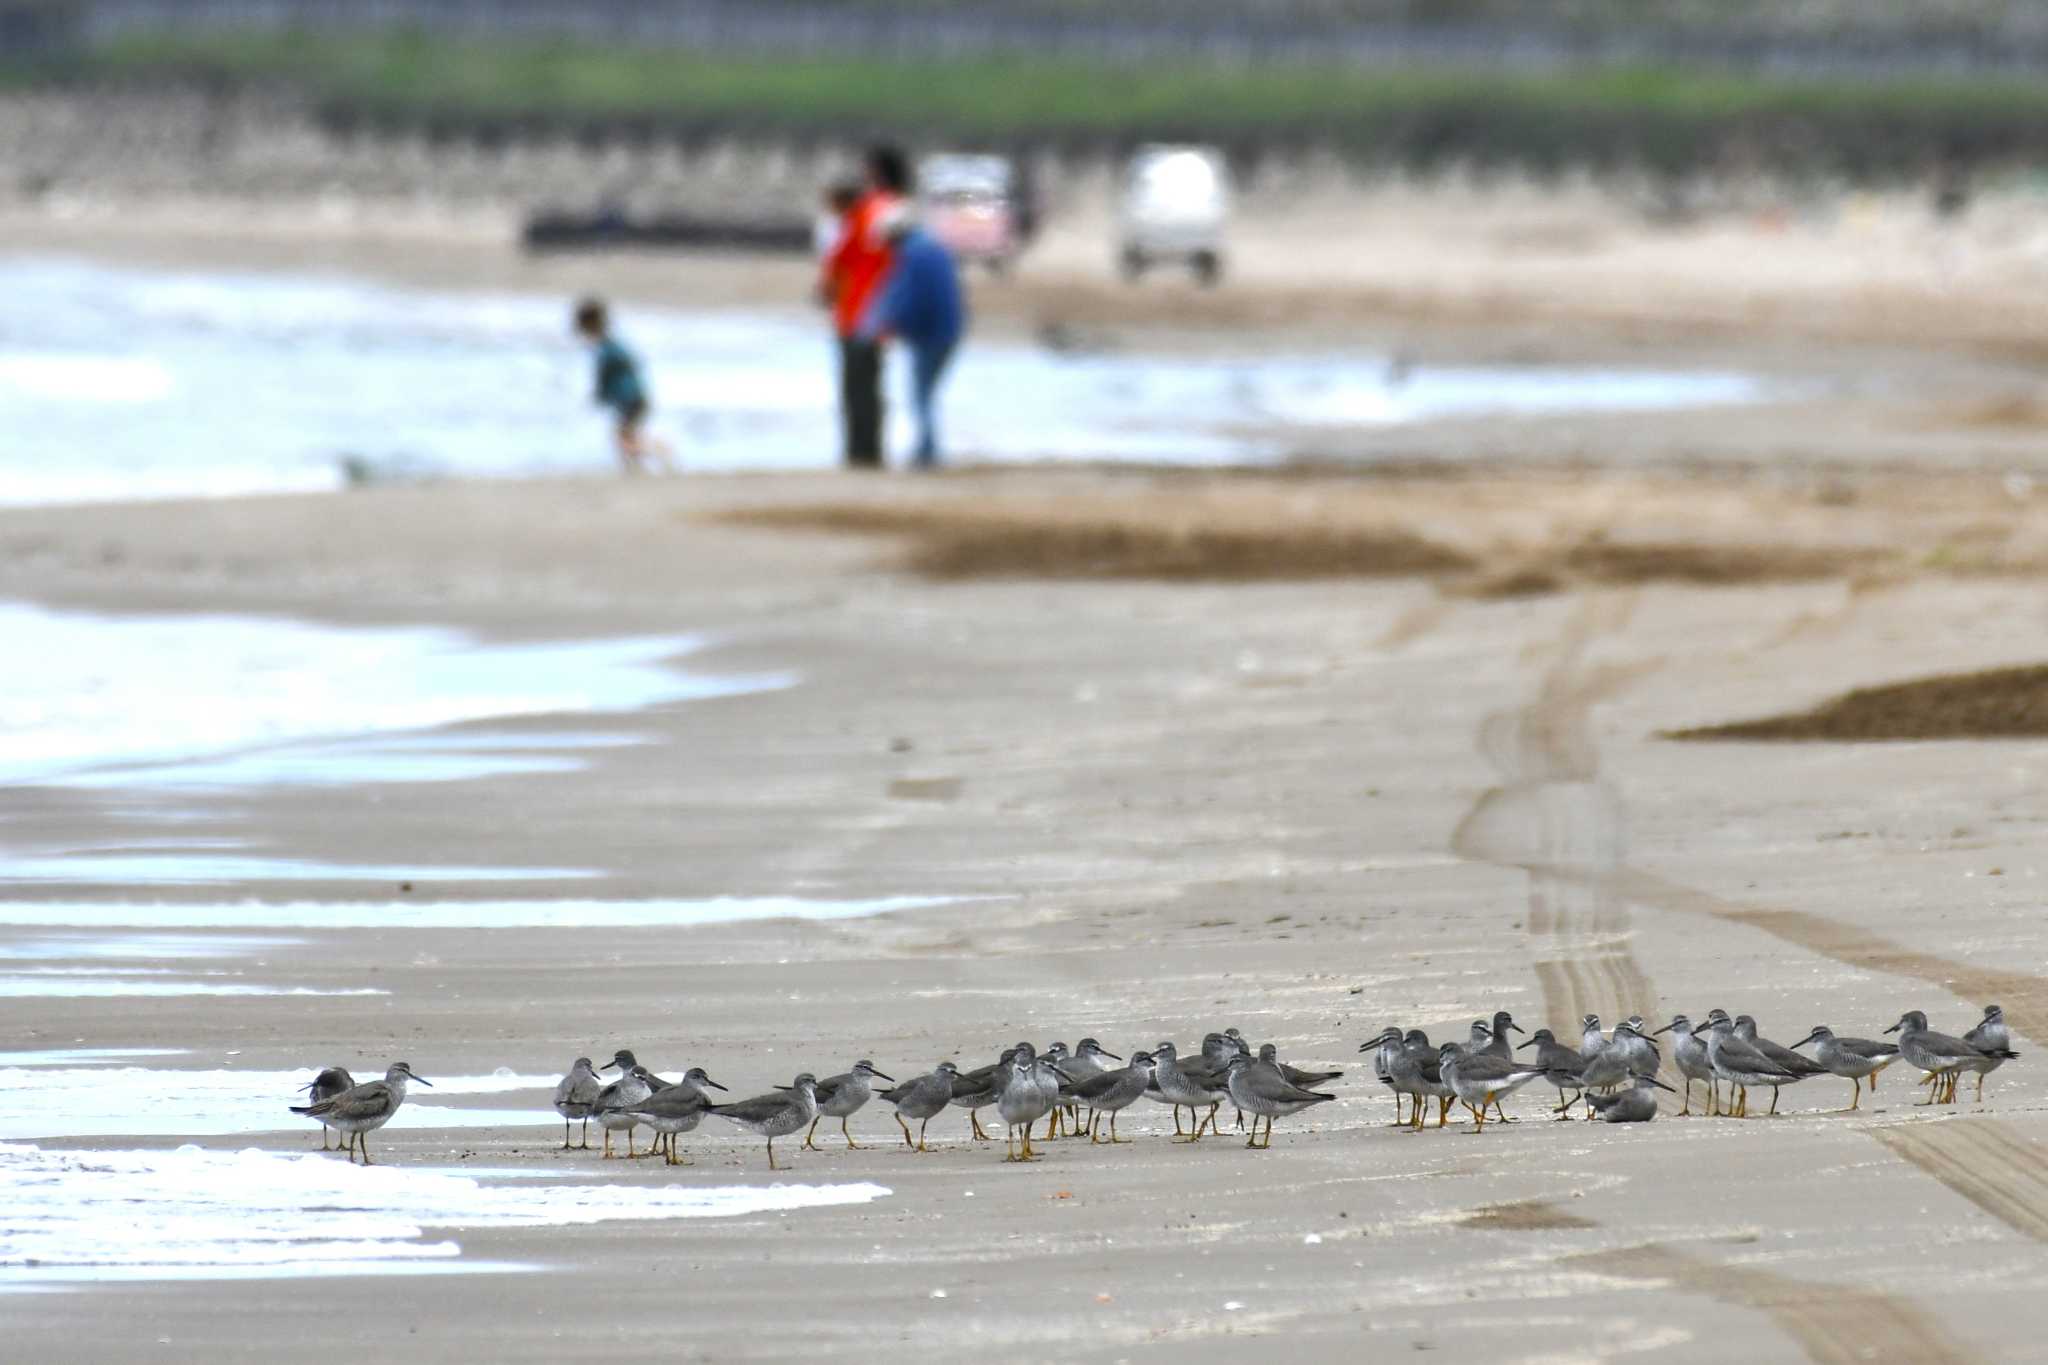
x: 853, y: 275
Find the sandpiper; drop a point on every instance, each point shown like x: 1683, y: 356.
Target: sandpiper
x: 1480, y: 1079
x: 1939, y: 1054
x: 575, y: 1096
x: 1853, y: 1058
x: 839, y: 1097
x: 1187, y: 1087
x: 1617, y: 1063
x: 1112, y: 1092
x: 921, y: 1098
x: 1991, y: 1037
x: 976, y: 1090
x: 1295, y: 1075
x: 1635, y: 1104
x: 1739, y: 1064
x: 1798, y: 1065
x: 675, y: 1109
x: 1592, y: 1041
x: 1644, y: 1058
x: 1561, y: 1067
x: 1418, y: 1070
x: 614, y: 1105
x: 1054, y: 1060
x: 1499, y: 1044
x: 1689, y: 1054
x: 330, y: 1082
x: 1262, y: 1091
x: 1086, y: 1063
x: 778, y: 1114
x: 362, y: 1109
x: 1022, y: 1101
x: 1384, y: 1049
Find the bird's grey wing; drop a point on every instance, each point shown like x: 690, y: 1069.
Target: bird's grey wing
x: 752, y: 1110
x: 1272, y: 1085
x: 363, y: 1102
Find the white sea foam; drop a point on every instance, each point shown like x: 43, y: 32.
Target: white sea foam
x: 411, y: 914
x: 108, y: 1101
x: 191, y: 1213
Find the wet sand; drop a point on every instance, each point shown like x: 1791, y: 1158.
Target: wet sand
x: 1305, y: 808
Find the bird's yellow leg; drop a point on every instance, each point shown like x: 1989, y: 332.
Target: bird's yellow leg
x: 920, y: 1135
x: 607, y: 1144
x: 851, y: 1144
x: 771, y: 1152
x: 809, y: 1145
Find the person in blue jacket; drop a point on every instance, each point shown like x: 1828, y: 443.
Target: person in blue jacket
x: 921, y: 303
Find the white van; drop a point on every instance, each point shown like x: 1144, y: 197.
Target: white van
x: 1174, y: 204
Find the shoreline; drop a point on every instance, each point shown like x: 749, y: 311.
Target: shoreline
x: 1306, y: 807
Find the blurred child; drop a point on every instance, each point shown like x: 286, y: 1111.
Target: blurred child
x: 620, y: 388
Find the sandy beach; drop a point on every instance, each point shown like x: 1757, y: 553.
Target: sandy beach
x: 1141, y: 803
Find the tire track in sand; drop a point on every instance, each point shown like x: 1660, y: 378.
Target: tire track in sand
x: 1555, y: 818
x: 1835, y: 1324
x: 1983, y: 1160
x: 2023, y: 995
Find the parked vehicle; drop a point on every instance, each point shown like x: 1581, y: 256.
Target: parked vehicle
x: 1175, y: 201
x: 979, y: 206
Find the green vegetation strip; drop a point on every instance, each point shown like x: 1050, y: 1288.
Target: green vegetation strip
x: 1409, y: 115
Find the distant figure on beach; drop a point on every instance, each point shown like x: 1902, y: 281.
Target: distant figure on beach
x: 853, y: 272
x: 838, y: 204
x: 922, y: 304
x: 619, y: 387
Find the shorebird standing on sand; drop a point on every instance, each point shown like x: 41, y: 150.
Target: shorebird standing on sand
x: 362, y: 1109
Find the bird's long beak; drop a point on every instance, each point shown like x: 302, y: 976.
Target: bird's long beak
x: 884, y: 1075
x: 608, y: 1066
x: 1807, y: 1039
x: 1062, y: 1072
x: 1520, y: 1046
x: 715, y: 1085
x: 786, y: 1087
x: 1896, y: 1027
x: 1659, y: 1084
x: 416, y: 1080
x: 1111, y: 1055
x: 1666, y: 1029
x: 1516, y: 1027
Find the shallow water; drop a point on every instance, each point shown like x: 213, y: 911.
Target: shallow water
x: 127, y: 382
x: 196, y: 701
x: 218, y: 869
x: 191, y: 1213
x: 140, y: 1101
x: 52, y: 986
x: 144, y: 947
x: 411, y: 914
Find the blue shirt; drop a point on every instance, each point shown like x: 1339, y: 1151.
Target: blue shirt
x: 921, y: 302
x: 618, y: 378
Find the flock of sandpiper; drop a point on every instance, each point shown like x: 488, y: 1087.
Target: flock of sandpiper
x: 1614, y: 1074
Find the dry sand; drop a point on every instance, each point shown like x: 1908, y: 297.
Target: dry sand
x: 1306, y: 808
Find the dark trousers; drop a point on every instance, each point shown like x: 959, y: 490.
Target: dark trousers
x: 860, y: 401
